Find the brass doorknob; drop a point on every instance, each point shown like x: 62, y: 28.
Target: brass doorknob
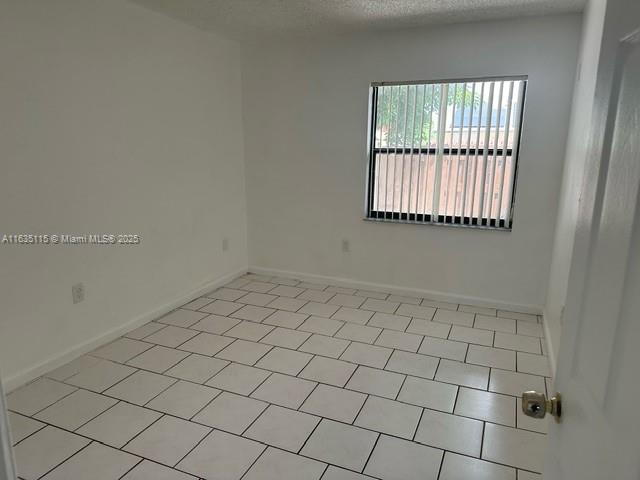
x: 536, y: 405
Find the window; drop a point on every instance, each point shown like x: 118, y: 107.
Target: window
x: 445, y: 152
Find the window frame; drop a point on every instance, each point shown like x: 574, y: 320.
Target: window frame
x: 373, y: 215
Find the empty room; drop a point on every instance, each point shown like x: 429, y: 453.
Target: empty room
x: 319, y: 239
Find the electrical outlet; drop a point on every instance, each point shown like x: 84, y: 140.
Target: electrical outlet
x: 77, y: 292
x: 225, y: 244
x: 346, y: 247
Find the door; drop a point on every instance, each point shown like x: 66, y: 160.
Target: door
x: 598, y: 370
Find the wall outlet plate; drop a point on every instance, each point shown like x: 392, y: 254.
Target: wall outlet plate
x: 77, y: 292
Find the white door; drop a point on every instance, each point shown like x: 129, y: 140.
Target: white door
x: 598, y: 370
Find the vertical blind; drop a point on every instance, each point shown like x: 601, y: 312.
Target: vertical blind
x: 445, y: 152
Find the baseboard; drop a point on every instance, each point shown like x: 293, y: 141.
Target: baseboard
x: 549, y: 344
x: 399, y: 290
x: 26, y: 376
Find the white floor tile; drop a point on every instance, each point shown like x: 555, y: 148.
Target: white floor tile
x: 376, y: 382
x: 230, y: 412
x: 197, y: 368
x: 534, y: 364
x: 334, y: 403
x: 312, y: 285
x: 206, y: 344
x: 359, y: 333
x: 168, y: 440
x: 396, y: 459
x: 215, y: 324
x: 229, y: 294
x: 253, y: 313
x: 97, y: 462
x: 514, y: 383
x: 256, y: 299
x: 183, y: 399
x: 144, y: 331
x: 140, y: 387
x: 399, y: 340
x: 390, y: 321
x: 477, y: 309
x: 259, y: 286
x: 382, y: 306
x: 412, y: 364
x: 441, y: 348
x: 335, y: 473
x: 73, y: 367
x: 454, y: 318
x: 243, y: 351
x: 439, y: 304
x: 284, y: 361
x: 222, y: 456
x: 100, y: 376
x: 521, y: 343
x: 529, y: 317
x: 525, y: 327
x: 282, y: 428
x: 324, y: 326
x: 498, y: 324
x: 460, y: 467
x: 158, y: 359
x: 345, y: 290
x: 119, y: 424
x: 76, y: 409
x: 364, y: 354
x: 288, y: 304
x: 510, y: 446
x: 275, y: 464
x: 450, y: 432
x: 249, y: 331
x: 328, y: 370
x: 121, y: 350
x: 239, y: 379
x: 403, y: 299
x: 37, y: 395
x: 350, y: 301
x: 285, y: 337
x: 319, y: 309
x: 147, y: 470
x: 430, y: 394
x: 315, y: 295
x: 325, y: 346
x: 492, y: 357
x: 171, y: 336
x: 429, y: 328
x: 491, y: 407
x: 284, y: 390
x: 372, y: 294
x: 45, y: 449
x: 416, y: 311
x: 353, y: 315
x: 285, y: 319
x: 464, y: 374
x: 340, y: 444
x: 184, y: 318
x: 471, y: 335
x: 286, y: 291
x: 21, y: 427
x: 388, y: 416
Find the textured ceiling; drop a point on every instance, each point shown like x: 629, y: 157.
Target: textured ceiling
x: 242, y: 18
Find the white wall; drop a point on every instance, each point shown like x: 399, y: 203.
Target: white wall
x: 305, y: 116
x: 113, y: 119
x: 577, y: 143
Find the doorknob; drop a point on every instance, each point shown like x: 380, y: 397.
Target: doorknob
x: 536, y: 405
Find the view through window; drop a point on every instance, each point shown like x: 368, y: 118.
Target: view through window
x: 445, y: 152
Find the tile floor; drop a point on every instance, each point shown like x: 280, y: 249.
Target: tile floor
x: 272, y: 378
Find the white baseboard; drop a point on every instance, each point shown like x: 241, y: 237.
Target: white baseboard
x: 31, y: 373
x: 399, y: 290
x: 549, y: 344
